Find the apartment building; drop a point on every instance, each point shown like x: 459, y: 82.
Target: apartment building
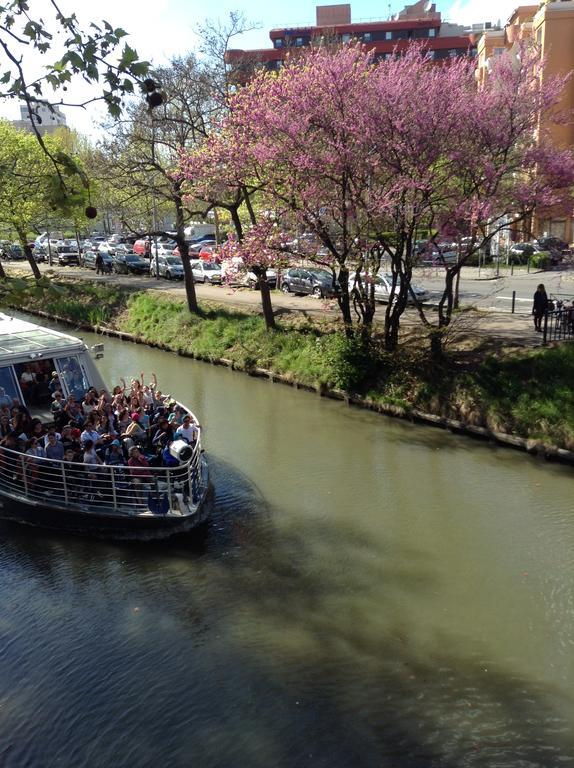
x: 551, y: 27
x: 419, y: 21
x: 47, y: 119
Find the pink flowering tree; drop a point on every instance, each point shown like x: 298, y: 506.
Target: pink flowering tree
x: 366, y: 157
x: 213, y: 174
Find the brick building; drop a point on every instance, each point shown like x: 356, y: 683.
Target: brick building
x: 420, y: 21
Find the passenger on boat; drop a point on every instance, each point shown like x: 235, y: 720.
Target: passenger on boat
x: 188, y: 431
x: 5, y: 400
x: 28, y: 382
x: 123, y: 420
x: 34, y: 448
x: 57, y: 409
x: 73, y: 410
x: 54, y: 448
x: 21, y: 420
x: 90, y: 402
x: 5, y: 425
x: 54, y: 384
x: 139, y: 469
x: 38, y: 430
x: 176, y: 416
x: 114, y: 454
x: 34, y: 452
x: 91, y: 433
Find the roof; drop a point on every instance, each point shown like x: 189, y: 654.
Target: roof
x: 19, y: 337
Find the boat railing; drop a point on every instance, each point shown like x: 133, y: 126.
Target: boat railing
x: 103, y: 488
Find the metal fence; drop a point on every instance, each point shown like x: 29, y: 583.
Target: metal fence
x: 558, y: 324
x: 103, y: 488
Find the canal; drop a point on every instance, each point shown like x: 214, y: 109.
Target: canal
x: 369, y: 594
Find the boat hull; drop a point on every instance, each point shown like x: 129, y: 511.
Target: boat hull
x: 124, y: 527
x: 107, y: 524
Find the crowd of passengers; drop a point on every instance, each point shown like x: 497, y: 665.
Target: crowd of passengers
x: 132, y: 426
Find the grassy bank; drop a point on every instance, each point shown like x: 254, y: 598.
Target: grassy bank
x: 527, y: 393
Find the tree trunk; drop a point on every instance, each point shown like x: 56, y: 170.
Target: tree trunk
x: 80, y: 254
x: 188, y: 280
x: 446, y: 303
x: 456, y: 290
x: 29, y: 255
x: 344, y: 301
x: 436, y: 345
x: 3, y: 275
x: 236, y: 222
x: 266, y: 302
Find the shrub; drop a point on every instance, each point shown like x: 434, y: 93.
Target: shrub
x: 346, y: 361
x: 541, y: 260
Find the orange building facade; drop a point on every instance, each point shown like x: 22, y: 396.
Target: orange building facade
x: 551, y: 27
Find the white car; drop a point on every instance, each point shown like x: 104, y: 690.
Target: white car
x: 383, y: 285
x: 164, y: 248
x: 206, y: 272
x: 251, y: 280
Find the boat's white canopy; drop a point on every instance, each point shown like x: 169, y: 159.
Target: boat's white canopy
x: 19, y: 338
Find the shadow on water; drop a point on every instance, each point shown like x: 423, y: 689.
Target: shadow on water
x: 366, y: 692
x: 268, y: 645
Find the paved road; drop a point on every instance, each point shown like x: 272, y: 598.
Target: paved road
x: 481, y: 288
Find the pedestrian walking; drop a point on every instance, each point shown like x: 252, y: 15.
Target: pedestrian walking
x: 99, y: 264
x: 539, y: 307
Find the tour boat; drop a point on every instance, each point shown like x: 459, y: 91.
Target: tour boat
x: 108, y: 501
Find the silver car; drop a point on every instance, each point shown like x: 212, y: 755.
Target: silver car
x: 383, y: 285
x: 170, y: 267
x: 206, y: 272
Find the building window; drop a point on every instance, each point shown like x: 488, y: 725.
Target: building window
x: 366, y: 37
x: 298, y: 42
x: 431, y: 54
x: 453, y: 53
x: 278, y: 43
x: 388, y: 35
x: 346, y: 38
x: 498, y: 51
x: 432, y: 32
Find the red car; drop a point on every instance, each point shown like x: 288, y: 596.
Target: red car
x: 143, y: 247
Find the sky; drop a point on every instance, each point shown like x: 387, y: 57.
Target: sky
x: 160, y: 29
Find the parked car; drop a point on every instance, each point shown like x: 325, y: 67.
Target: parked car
x: 89, y: 259
x: 142, y: 247
x: 170, y: 267
x: 312, y: 280
x: 164, y: 248
x: 68, y: 255
x: 520, y: 252
x: 553, y: 244
x: 383, y: 285
x: 206, y: 272
x: 13, y: 252
x: 252, y: 281
x: 209, y: 253
x: 125, y: 263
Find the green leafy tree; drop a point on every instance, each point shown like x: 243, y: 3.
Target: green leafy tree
x: 30, y: 186
x: 98, y: 55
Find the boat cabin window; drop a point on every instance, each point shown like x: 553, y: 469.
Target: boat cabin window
x: 34, y: 379
x: 8, y: 387
x: 73, y: 376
